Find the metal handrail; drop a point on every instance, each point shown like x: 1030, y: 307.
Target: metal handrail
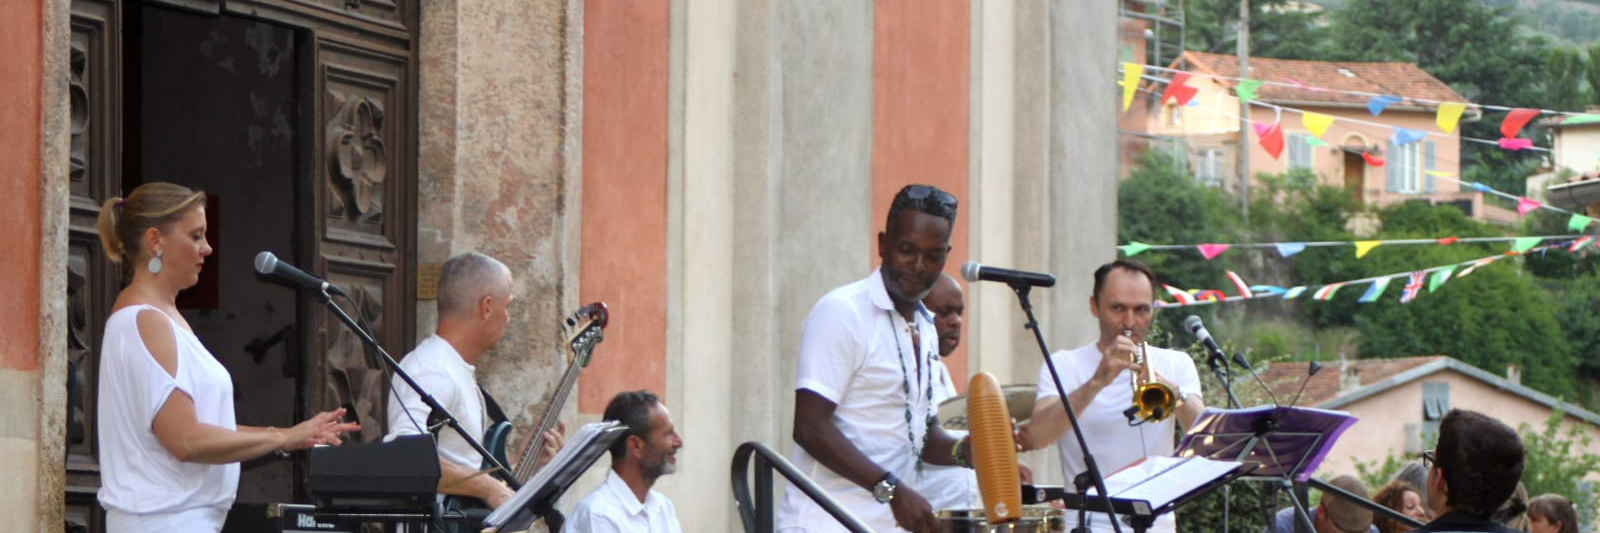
x: 758, y: 515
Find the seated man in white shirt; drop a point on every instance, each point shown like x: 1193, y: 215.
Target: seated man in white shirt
x: 624, y: 502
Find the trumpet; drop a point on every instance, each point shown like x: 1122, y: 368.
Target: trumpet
x: 1153, y: 401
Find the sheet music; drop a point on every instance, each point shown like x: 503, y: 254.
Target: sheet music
x: 577, y: 448
x: 1178, y: 476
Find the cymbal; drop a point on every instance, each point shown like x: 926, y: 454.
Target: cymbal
x: 1019, y: 399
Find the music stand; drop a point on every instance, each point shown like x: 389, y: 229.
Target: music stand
x: 1288, y: 442
x: 537, y: 498
x: 1159, y: 485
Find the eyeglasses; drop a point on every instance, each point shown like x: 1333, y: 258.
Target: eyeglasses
x: 921, y: 192
x: 1428, y: 459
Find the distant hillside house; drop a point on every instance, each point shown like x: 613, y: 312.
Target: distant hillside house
x: 1398, y: 401
x: 1207, y: 128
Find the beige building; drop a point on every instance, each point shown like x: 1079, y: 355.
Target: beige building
x: 1398, y: 401
x: 1207, y: 128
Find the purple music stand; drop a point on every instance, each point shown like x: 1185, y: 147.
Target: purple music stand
x: 1289, y: 442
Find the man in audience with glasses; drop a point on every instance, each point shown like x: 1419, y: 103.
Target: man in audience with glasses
x: 864, y: 415
x: 1474, y: 468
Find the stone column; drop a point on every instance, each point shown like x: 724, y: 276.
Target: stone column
x: 499, y: 114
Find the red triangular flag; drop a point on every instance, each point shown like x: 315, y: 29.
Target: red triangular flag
x: 1449, y: 240
x: 1210, y: 251
x: 1515, y: 120
x: 1177, y: 90
x: 1372, y: 159
x: 1272, y: 140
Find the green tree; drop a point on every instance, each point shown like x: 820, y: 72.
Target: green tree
x: 1277, y: 28
x: 1565, y: 70
x: 1557, y: 461
x: 1161, y: 203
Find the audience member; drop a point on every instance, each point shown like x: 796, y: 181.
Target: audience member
x: 1552, y: 513
x: 1514, y: 512
x: 1403, y: 498
x: 1475, y: 468
x: 1334, y: 514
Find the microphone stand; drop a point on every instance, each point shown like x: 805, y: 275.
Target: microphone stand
x: 1091, y: 471
x: 438, y: 410
x: 1225, y: 376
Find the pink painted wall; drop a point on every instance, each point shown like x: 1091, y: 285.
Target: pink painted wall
x: 21, y: 25
x: 920, y: 71
x: 624, y: 219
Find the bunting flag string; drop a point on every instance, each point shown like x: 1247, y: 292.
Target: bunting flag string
x: 1384, y: 100
x: 1376, y: 285
x: 1288, y: 249
x: 1443, y: 120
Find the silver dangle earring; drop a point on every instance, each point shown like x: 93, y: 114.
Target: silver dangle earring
x: 155, y: 263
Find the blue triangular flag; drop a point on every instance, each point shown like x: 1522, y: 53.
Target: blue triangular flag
x: 1266, y: 289
x: 1479, y: 187
x: 1287, y: 249
x: 1294, y: 292
x: 1403, y: 136
x: 1374, y: 291
x: 1377, y: 103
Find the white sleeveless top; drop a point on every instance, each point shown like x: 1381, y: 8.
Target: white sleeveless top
x: 137, y: 475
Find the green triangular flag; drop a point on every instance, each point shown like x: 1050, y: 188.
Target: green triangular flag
x: 1313, y: 141
x: 1578, y: 222
x: 1439, y: 277
x: 1247, y: 89
x: 1133, y: 248
x: 1581, y: 119
x: 1524, y: 244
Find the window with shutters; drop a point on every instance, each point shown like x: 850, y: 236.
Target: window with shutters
x: 1435, y: 403
x: 1406, y: 167
x: 1299, y: 150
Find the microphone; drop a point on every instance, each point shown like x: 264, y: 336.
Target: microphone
x: 268, y: 265
x: 993, y: 450
x: 1310, y: 371
x: 1239, y: 359
x: 972, y: 271
x: 1200, y: 333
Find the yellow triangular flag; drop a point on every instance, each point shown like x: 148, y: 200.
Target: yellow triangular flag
x: 1316, y: 122
x: 1449, y: 115
x: 1362, y: 247
x: 1438, y: 173
x: 1130, y: 82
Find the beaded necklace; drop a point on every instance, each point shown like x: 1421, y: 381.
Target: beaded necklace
x: 905, y: 385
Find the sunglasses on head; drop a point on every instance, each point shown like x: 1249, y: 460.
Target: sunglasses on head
x: 922, y: 192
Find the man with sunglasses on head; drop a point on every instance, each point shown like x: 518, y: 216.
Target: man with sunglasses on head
x: 864, y: 415
x: 1474, y: 468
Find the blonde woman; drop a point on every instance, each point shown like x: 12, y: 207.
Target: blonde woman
x: 169, y: 447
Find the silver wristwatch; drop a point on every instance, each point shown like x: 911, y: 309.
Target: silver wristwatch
x: 884, y: 490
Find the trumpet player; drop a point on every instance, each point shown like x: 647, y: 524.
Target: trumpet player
x: 1102, y: 380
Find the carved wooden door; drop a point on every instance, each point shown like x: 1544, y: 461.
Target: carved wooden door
x: 95, y: 94
x: 355, y: 196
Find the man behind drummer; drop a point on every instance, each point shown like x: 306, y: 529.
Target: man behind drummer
x: 864, y: 415
x: 947, y: 487
x: 1098, y: 381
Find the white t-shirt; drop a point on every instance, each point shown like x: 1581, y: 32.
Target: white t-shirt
x: 1113, y: 442
x: 613, y: 508
x: 440, y: 370
x: 856, y: 352
x: 948, y: 487
x: 141, y: 484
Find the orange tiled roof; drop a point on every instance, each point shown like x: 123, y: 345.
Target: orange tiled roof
x: 1285, y: 378
x: 1400, y: 79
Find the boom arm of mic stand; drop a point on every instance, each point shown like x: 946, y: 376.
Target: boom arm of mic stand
x: 433, y: 404
x: 1090, y: 468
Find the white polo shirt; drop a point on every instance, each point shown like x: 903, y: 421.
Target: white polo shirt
x: 1114, y: 443
x: 856, y: 352
x: 613, y: 508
